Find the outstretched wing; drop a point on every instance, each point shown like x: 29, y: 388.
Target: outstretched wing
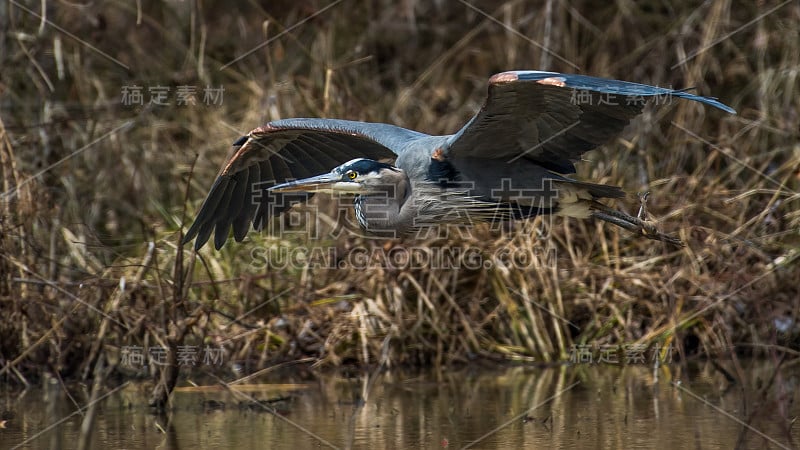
x: 278, y: 152
x: 552, y: 118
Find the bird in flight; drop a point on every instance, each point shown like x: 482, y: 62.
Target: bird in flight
x: 511, y: 160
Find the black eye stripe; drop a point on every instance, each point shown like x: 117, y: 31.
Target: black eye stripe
x: 364, y: 166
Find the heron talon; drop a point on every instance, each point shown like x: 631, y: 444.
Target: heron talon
x: 643, y: 207
x: 652, y: 233
x: 635, y: 225
x: 649, y: 229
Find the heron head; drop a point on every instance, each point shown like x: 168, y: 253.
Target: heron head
x: 358, y: 176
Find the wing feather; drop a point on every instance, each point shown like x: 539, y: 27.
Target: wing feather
x: 311, y: 158
x: 551, y: 119
x: 263, y: 203
x: 220, y: 220
x: 278, y: 152
x: 234, y: 199
x: 241, y: 223
x: 334, y: 152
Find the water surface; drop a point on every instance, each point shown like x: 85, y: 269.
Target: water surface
x: 583, y: 406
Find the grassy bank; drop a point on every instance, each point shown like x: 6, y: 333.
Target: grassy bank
x: 98, y: 186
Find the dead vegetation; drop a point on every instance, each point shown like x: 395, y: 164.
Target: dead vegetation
x: 95, y: 191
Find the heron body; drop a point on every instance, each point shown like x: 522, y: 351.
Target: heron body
x: 512, y: 159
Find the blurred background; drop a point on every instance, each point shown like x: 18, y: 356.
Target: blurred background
x: 116, y: 116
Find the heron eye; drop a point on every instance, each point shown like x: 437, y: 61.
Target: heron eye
x: 352, y: 175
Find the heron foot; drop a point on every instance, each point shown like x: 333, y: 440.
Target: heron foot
x: 637, y: 225
x: 643, y: 207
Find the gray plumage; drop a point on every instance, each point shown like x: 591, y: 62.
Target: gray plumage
x: 509, y: 160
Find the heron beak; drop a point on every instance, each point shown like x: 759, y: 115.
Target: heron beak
x: 328, y: 182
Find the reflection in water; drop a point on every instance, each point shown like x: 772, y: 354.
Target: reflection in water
x: 521, y: 407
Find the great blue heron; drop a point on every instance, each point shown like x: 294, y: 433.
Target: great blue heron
x: 512, y: 157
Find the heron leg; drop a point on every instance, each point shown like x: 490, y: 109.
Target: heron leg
x: 635, y: 225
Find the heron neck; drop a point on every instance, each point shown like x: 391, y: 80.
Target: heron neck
x: 384, y: 210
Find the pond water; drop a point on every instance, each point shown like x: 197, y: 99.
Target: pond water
x: 582, y: 406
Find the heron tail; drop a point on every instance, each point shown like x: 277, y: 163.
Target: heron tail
x: 575, y: 198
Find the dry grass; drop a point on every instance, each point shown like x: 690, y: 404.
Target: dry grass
x: 89, y: 245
